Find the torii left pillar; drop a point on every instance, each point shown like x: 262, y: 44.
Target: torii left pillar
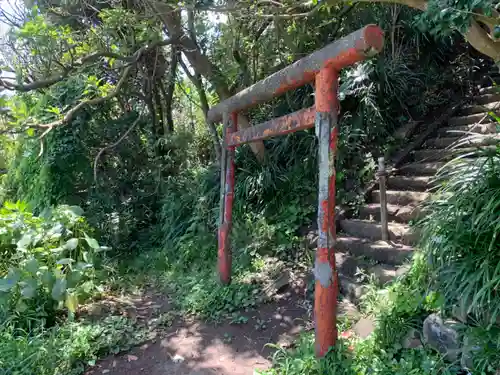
x: 227, y: 197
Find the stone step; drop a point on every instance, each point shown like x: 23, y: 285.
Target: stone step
x: 416, y: 183
x: 464, y: 140
x: 443, y: 154
x: 421, y: 168
x: 486, y: 128
x: 354, y: 274
x: 476, y: 108
x: 399, y: 214
x: 401, y: 198
x: 486, y: 98
x: 469, y: 119
x: 380, y: 251
x: 489, y: 90
x: 372, y: 230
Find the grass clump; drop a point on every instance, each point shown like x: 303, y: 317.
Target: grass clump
x: 461, y: 236
x: 356, y: 357
x: 65, y: 349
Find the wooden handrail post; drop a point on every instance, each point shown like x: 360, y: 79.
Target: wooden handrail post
x: 382, y: 178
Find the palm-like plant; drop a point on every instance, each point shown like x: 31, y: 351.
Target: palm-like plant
x: 461, y: 234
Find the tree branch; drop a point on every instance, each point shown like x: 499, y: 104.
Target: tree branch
x: 169, y: 94
x: 198, y: 83
x: 478, y: 38
x: 72, y: 112
x: 34, y: 85
x: 113, y: 145
x: 417, y: 4
x: 47, y: 82
x: 132, y: 58
x: 199, y: 61
x: 481, y: 40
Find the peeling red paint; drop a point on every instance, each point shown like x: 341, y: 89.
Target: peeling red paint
x: 300, y: 120
x: 374, y: 37
x: 325, y: 307
x: 325, y: 208
x: 305, y: 78
x: 326, y: 90
x: 325, y: 298
x: 223, y: 256
x: 224, y: 248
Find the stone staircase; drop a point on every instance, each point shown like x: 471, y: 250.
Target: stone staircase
x: 360, y: 252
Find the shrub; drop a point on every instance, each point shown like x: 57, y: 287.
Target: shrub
x: 461, y: 235
x: 47, y: 262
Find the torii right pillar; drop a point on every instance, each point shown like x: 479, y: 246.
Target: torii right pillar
x: 326, y: 286
x: 326, y: 126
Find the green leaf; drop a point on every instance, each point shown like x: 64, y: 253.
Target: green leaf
x: 59, y: 289
x: 56, y: 250
x: 46, y: 213
x: 71, y: 244
x: 21, y: 306
x: 71, y: 302
x: 83, y: 266
x: 13, y: 276
x: 54, y: 110
x: 10, y: 206
x: 77, y: 210
x: 91, y: 242
x: 30, y: 132
x: 31, y: 266
x: 25, y: 241
x: 74, y: 277
x: 47, y: 278
x: 6, y: 285
x: 65, y: 261
x: 29, y: 287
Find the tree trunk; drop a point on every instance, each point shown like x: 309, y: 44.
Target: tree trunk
x: 198, y: 83
x: 169, y: 94
x: 201, y: 64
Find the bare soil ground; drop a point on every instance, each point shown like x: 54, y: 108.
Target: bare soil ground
x: 192, y: 347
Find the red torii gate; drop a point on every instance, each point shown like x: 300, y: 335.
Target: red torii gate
x: 321, y: 67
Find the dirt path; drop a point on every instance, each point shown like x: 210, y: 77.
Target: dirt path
x: 198, y: 348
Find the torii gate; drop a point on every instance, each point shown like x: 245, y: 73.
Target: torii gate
x: 321, y: 67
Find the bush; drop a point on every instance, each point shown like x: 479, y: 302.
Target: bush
x: 461, y: 235
x: 65, y: 349
x: 47, y: 262
x: 356, y: 357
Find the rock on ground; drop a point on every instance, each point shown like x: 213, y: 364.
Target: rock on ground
x: 442, y: 336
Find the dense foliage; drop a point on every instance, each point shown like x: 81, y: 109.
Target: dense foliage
x: 48, y: 261
x: 461, y: 236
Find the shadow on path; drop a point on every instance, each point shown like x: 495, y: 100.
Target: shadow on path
x: 199, y: 348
